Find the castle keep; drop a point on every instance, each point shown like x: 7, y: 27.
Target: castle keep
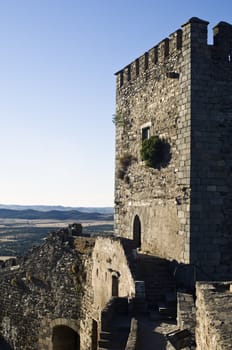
x: 172, y: 220
x: 180, y: 90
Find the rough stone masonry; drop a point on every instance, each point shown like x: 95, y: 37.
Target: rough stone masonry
x: 53, y: 298
x: 57, y: 296
x: 181, y: 91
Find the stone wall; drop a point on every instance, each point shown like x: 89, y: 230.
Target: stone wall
x: 156, y: 94
x: 110, y: 262
x: 214, y: 323
x: 57, y: 292
x: 50, y: 287
x: 180, y: 90
x: 186, y: 312
x: 211, y: 159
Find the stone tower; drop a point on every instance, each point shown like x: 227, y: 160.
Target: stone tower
x: 181, y: 91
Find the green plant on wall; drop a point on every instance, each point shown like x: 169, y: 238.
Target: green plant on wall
x: 118, y: 119
x: 124, y: 163
x: 152, y: 151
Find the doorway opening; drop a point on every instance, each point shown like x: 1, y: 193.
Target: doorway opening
x: 4, y: 345
x: 115, y: 285
x: 65, y: 338
x: 94, y: 335
x: 137, y: 231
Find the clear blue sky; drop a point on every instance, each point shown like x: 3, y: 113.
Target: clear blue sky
x: 57, y: 88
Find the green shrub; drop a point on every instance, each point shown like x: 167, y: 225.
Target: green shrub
x: 152, y: 151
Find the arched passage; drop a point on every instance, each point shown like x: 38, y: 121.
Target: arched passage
x: 137, y: 231
x: 65, y: 338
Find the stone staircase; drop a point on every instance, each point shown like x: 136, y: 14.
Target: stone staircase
x: 114, y: 339
x: 115, y: 329
x: 160, y: 286
x: 159, y: 302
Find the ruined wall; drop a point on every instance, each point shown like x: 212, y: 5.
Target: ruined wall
x: 214, y: 307
x: 50, y: 287
x: 154, y: 91
x: 55, y: 295
x: 109, y: 261
x: 186, y: 312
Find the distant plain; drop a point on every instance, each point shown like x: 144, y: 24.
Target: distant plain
x: 17, y: 236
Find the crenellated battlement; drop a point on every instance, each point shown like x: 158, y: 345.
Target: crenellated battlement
x: 192, y: 34
x: 156, y: 55
x: 222, y: 34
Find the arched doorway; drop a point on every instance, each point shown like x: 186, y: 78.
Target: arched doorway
x: 4, y: 345
x: 94, y: 335
x: 115, y: 283
x: 65, y: 338
x: 137, y: 231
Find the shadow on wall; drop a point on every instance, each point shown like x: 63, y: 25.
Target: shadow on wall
x: 166, y: 154
x: 149, y: 335
x: 186, y: 275
x: 4, y: 345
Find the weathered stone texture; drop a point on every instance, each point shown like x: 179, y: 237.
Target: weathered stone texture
x: 50, y: 286
x: 214, y: 323
x: 66, y: 282
x: 182, y: 91
x: 132, y: 342
x: 186, y: 312
x: 110, y: 261
x: 159, y: 98
x: 211, y: 195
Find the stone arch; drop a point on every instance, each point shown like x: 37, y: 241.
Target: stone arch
x: 137, y: 231
x: 65, y: 338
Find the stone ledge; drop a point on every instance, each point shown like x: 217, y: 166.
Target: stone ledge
x: 132, y: 342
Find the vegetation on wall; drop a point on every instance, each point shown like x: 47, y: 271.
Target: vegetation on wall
x: 118, y: 120
x: 152, y: 151
x: 124, y: 163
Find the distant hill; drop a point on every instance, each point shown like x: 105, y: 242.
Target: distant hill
x: 103, y: 210
x: 31, y: 214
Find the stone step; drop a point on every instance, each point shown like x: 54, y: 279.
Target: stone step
x: 165, y: 310
x: 105, y: 335
x: 112, y: 348
x: 118, y: 342
x: 115, y: 343
x: 157, y: 289
x: 116, y: 337
x: 104, y: 343
x: 156, y: 316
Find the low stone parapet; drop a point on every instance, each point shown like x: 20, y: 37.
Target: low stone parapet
x: 132, y: 342
x: 214, y: 322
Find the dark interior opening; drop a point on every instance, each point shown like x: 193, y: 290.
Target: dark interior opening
x: 65, y: 338
x: 137, y: 232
